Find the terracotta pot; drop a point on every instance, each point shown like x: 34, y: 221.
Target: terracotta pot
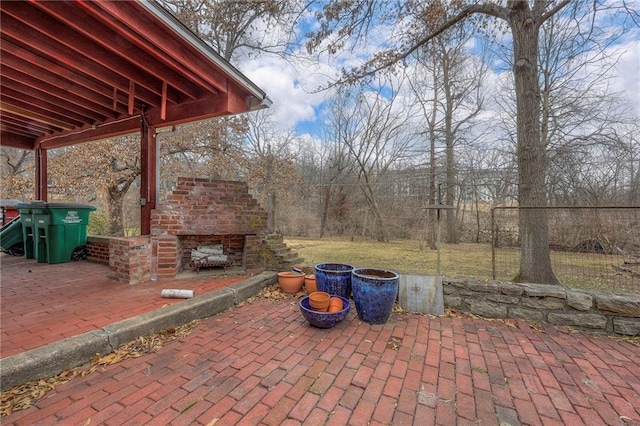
x: 319, y: 301
x: 310, y: 283
x: 323, y: 319
x: 290, y: 282
x: 335, y: 304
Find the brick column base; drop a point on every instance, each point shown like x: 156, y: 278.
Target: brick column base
x: 130, y: 259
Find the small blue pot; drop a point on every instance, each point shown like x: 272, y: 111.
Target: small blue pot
x: 374, y: 293
x: 324, y: 319
x: 334, y: 278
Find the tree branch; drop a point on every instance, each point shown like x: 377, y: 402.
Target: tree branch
x: 484, y: 8
x: 551, y: 12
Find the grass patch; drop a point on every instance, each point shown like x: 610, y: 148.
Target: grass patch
x: 577, y: 270
x: 403, y: 256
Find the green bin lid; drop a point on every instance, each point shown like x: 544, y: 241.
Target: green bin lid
x: 69, y: 206
x: 32, y: 204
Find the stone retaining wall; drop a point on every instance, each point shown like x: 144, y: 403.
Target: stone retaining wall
x: 592, y: 310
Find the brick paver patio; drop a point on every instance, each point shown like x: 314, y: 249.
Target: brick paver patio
x: 43, y: 303
x: 261, y: 363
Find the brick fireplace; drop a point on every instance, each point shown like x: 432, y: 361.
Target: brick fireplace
x: 206, y: 212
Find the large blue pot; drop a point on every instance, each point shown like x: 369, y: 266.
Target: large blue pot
x: 374, y: 293
x: 334, y: 278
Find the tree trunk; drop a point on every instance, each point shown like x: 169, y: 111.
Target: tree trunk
x: 432, y: 222
x: 535, y: 260
x: 271, y: 212
x: 325, y: 210
x: 477, y: 202
x: 380, y: 227
x: 452, y: 236
x: 115, y: 198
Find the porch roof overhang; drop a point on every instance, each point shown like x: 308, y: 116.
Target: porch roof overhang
x: 79, y: 71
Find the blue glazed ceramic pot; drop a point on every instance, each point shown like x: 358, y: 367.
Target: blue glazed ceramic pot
x: 374, y: 292
x: 334, y: 278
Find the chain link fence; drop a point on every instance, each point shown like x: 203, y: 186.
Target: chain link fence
x: 593, y: 248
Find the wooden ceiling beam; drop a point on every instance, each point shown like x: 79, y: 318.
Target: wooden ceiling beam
x: 87, y: 98
x: 148, y: 34
x: 11, y: 140
x: 31, y: 85
x: 84, y: 23
x: 8, y: 49
x: 17, y: 127
x: 87, y: 48
x: 48, y: 48
x: 34, y: 113
x: 120, y: 127
x: 30, y: 98
x: 23, y: 123
x: 202, y: 109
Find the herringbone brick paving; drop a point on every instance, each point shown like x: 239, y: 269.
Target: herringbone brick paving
x: 262, y: 364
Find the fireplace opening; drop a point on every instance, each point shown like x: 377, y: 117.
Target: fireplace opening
x: 211, y: 252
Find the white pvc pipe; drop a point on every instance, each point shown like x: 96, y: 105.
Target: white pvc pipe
x: 177, y: 293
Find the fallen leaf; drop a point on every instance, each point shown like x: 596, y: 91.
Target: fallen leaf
x: 28, y: 394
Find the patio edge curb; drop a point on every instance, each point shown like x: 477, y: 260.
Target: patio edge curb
x: 49, y: 360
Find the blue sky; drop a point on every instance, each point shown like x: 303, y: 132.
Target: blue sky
x: 292, y: 84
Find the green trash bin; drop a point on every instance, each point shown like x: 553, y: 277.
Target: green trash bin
x: 60, y: 232
x: 26, y: 218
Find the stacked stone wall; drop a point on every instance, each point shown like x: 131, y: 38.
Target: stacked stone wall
x: 588, y: 310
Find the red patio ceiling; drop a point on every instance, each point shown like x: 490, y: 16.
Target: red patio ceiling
x: 78, y: 71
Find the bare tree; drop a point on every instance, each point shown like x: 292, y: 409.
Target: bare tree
x: 632, y: 165
x: 268, y: 162
x: 241, y: 27
x: 489, y: 180
x: 345, y: 21
x: 455, y: 101
x: 212, y: 148
x: 375, y: 133
x: 335, y: 167
x: 16, y: 172
x: 108, y: 167
x: 427, y: 91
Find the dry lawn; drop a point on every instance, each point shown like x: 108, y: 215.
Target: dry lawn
x: 403, y: 256
x: 577, y: 270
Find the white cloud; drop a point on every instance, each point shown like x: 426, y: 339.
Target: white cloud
x: 293, y: 84
x: 627, y: 73
x: 282, y: 82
